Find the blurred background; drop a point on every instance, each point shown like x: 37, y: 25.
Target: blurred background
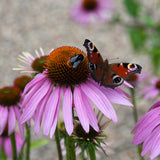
x: 125, y: 36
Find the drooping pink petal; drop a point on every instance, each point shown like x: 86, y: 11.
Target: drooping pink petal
x: 115, y: 96
x: 154, y: 80
x: 144, y: 131
x: 50, y: 110
x: 126, y: 84
x: 3, y: 118
x: 8, y: 147
x: 21, y: 126
x: 152, y: 94
x: 100, y: 100
x: 80, y: 109
x: 67, y: 110
x: 156, y: 147
x: 40, y: 111
x: 19, y: 142
x: 157, y: 104
x: 91, y: 115
x: 30, y: 94
x: 55, y: 119
x: 150, y: 141
x: 148, y: 89
x: 38, y: 78
x: 11, y: 120
x: 34, y: 101
x: 123, y: 93
x: 147, y: 117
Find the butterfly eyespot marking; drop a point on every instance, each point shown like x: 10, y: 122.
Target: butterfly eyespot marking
x: 132, y: 67
x: 92, y: 67
x: 117, y: 79
x: 91, y: 46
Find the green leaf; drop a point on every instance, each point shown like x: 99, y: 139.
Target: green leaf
x: 138, y: 37
x: 39, y: 143
x: 148, y: 20
x: 132, y: 7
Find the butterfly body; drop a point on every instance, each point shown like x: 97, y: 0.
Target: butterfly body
x: 108, y: 75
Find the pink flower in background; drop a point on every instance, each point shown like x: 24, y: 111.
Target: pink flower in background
x: 9, y: 110
x: 34, y: 65
x: 153, y: 90
x: 147, y: 132
x: 5, y: 143
x: 91, y: 10
x: 43, y: 95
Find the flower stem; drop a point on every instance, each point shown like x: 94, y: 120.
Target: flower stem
x: 14, y: 148
x: 135, y: 114
x: 92, y: 153
x: 58, y: 144
x: 28, y: 140
x: 70, y: 147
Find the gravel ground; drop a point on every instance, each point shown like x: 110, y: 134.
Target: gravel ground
x: 28, y: 25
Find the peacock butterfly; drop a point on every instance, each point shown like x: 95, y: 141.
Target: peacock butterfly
x: 108, y: 75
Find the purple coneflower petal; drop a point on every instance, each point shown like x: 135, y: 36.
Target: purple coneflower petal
x: 91, y: 115
x: 150, y: 141
x: 100, y: 100
x: 50, y: 110
x: 126, y: 84
x: 21, y: 126
x: 34, y: 101
x: 67, y: 110
x: 7, y: 147
x: 154, y: 80
x: 3, y: 118
x: 54, y: 124
x: 39, y: 77
x: 146, y: 127
x: 115, y: 96
x: 19, y: 142
x: 40, y: 111
x: 145, y: 118
x: 156, y: 147
x: 157, y: 104
x: 148, y: 89
x: 123, y: 93
x: 152, y: 94
x: 11, y: 120
x: 80, y: 109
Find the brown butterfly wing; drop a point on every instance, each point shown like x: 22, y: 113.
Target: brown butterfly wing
x: 95, y: 61
x: 110, y: 79
x: 125, y: 70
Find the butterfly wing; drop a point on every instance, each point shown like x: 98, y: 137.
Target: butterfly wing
x: 125, y: 70
x: 110, y: 78
x: 95, y: 61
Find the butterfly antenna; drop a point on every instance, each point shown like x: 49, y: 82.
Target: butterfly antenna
x: 114, y: 59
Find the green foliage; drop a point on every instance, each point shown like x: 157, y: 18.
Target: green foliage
x: 2, y: 154
x: 39, y: 143
x: 138, y: 37
x: 132, y: 7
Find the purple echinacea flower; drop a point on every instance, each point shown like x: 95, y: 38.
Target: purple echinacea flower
x: 147, y: 132
x: 91, y: 10
x: 153, y: 90
x: 5, y: 142
x: 61, y: 83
